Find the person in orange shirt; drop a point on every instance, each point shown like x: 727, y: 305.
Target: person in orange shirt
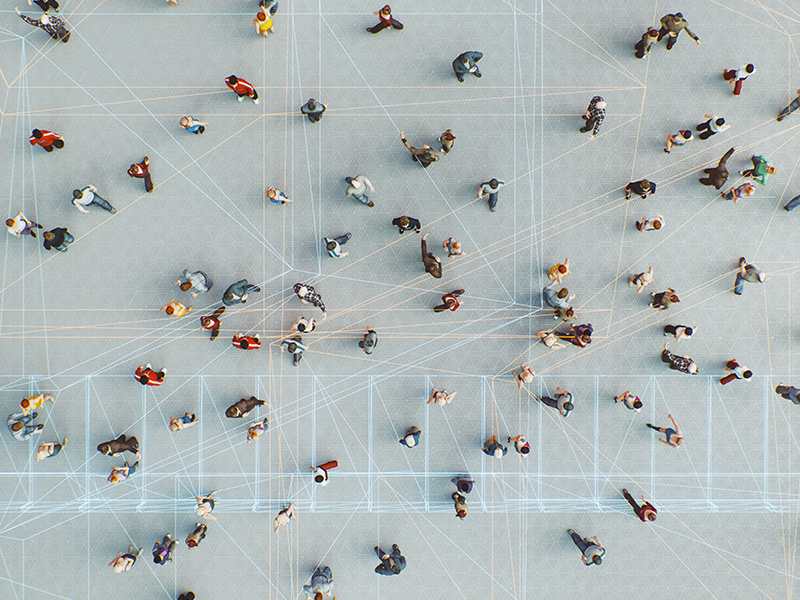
x: 34, y: 402
x: 246, y: 342
x: 46, y: 139
x: 176, y: 309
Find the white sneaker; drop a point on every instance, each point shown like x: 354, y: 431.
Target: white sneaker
x: 256, y: 101
x: 241, y: 98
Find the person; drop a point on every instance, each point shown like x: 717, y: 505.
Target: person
x: 747, y: 272
x: 646, y: 512
x: 460, y: 504
x: 679, y: 331
x: 441, y: 397
x: 193, y: 539
x: 21, y: 425
x: 526, y: 375
x: 579, y: 335
x: 295, y: 347
x: 237, y: 293
x: 663, y: 300
x: 761, y: 169
x: 793, y: 106
x: 453, y: 248
x: 671, y: 26
x: 313, y: 110
x: 467, y: 63
x: 676, y: 362
x: 433, y: 266
x: 263, y: 22
x: 243, y: 89
x: 213, y: 323
x: 176, y: 309
x: 490, y: 188
x: 550, y: 339
x: 147, y: 376
x: 321, y: 583
x: 521, y: 445
x: 449, y: 302
x: 87, y: 196
x: 592, y: 550
x: 463, y: 483
x: 369, y: 342
x: 424, y: 155
x: 246, y: 342
x: 391, y: 564
x: 205, y: 506
x: 407, y: 224
x: 30, y: 404
x: 45, y: 5
x: 385, y: 20
x: 650, y: 224
x: 737, y: 76
x: 594, y: 116
x: 284, y: 516
x: 52, y: 25
x: 120, y: 445
x: 411, y: 438
x: 304, y: 325
x: 21, y: 225
x: 142, y: 171
x: 58, y: 238
x: 243, y: 407
x: 642, y: 188
x: 321, y: 472
x: 562, y: 401
x: 649, y: 38
x: 743, y: 191
x: 192, y: 125
x: 162, y: 551
x: 788, y: 392
x: 557, y: 273
x: 559, y: 299
x: 183, y: 422
x: 334, y: 246
x: 277, y: 196
x: 737, y: 372
x: 254, y: 430
x: 640, y: 280
x: 565, y: 314
x: 46, y: 139
x: 629, y: 400
x: 198, y: 282
x: 683, y: 137
x: 49, y: 449
x: 357, y: 188
x: 446, y: 140
x: 122, y: 473
x: 713, y: 126
x: 674, y: 437
x: 494, y: 448
x: 308, y: 295
x: 183, y: 595
x: 124, y: 562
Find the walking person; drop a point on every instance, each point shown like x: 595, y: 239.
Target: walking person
x: 737, y: 76
x: 557, y: 273
x: 594, y: 116
x: 52, y: 25
x: 86, y: 196
x: 494, y: 448
x: 467, y: 63
x: 30, y: 404
x: 263, y: 22
x: 424, y: 155
x: 646, y: 512
x: 313, y: 110
x: 334, y: 245
x: 713, y: 126
x: 673, y: 437
x: 663, y: 300
x: 559, y: 299
x: 237, y: 293
x: 59, y: 238
x: 304, y: 325
x: 629, y: 400
x: 243, y: 407
x: 212, y: 323
x: 21, y: 425
x: 246, y: 342
x: 308, y: 295
x: 592, y: 550
x: 526, y: 375
x: 321, y: 583
x: 671, y: 26
x: 321, y: 476
x: 385, y: 20
x: 147, y: 376
x: 521, y: 445
x: 21, y: 225
x: 788, y: 392
x: 641, y: 188
x: 357, y: 188
x: 679, y: 331
x: 295, y: 347
x: 284, y: 517
x: 737, y: 371
x: 743, y: 191
x: 46, y: 139
x: 198, y: 535
x: 562, y: 402
x: 205, y: 506
x: 183, y: 422
x: 649, y: 38
x: 761, y: 169
x: 244, y: 89
x: 277, y: 196
x: 793, y: 106
x: 45, y: 5
x: 122, y: 473
x: 391, y: 564
x: 747, y: 272
x: 369, y: 342
x: 446, y: 140
x: 449, y: 302
x: 640, y: 280
x: 677, y: 362
x: 411, y: 438
x: 142, y: 171
x: 192, y: 125
x: 490, y: 188
x: 453, y: 248
x: 257, y: 429
x: 441, y: 397
x: 650, y: 224
x: 49, y: 449
x: 683, y: 137
x: 118, y: 446
x: 433, y: 266
x: 162, y: 551
x: 176, y: 309
x: 407, y: 224
x: 124, y: 562
x: 460, y: 504
x: 198, y: 282
x: 463, y: 483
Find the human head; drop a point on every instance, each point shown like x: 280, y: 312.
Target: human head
x: 302, y: 291
x: 157, y: 559
x: 525, y: 449
x: 16, y: 426
x: 568, y: 406
x: 410, y: 441
x: 77, y: 194
x: 143, y: 379
x: 301, y: 326
x: 37, y: 134
x: 318, y: 596
x: 26, y: 403
x: 319, y: 478
x: 586, y: 338
x: 686, y: 134
x: 688, y: 331
x: 184, y: 121
x: 570, y: 312
x: 202, y: 510
x: 312, y: 104
x: 651, y: 516
x: 233, y: 80
x: 331, y: 245
x: 254, y: 434
x: 456, y: 246
x: 244, y: 344
x: 465, y: 62
x: 10, y: 222
x: 261, y: 16
x: 771, y: 170
x: 114, y: 478
x: 404, y: 221
x: 562, y: 269
x: 462, y: 514
x: 118, y: 566
x: 170, y: 310
x: 271, y: 193
x: 637, y: 404
x: 233, y: 412
x: 645, y: 185
x: 750, y: 68
x: 563, y: 293
x: 205, y: 321
x: 228, y: 295
x: 597, y: 560
x: 678, y: 15
x: 186, y: 286
x: 652, y: 32
x: 674, y: 298
x: 386, y: 10
x: 720, y: 122
x: 498, y: 452
x: 104, y: 448
x: 747, y: 374
x: 656, y: 224
x: 174, y: 426
x: 292, y: 347
x: 493, y: 184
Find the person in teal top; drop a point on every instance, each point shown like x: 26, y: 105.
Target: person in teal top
x: 761, y: 168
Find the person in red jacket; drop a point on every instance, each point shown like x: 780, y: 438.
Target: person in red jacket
x: 646, y: 512
x: 385, y: 20
x: 146, y: 376
x: 449, y: 302
x: 246, y: 342
x: 213, y: 323
x: 142, y: 171
x: 46, y: 139
x: 242, y: 88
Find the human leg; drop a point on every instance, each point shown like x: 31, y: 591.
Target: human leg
x: 673, y: 37
x: 666, y: 356
x: 670, y: 329
x: 631, y: 501
x: 793, y: 203
x: 664, y: 31
x: 102, y: 203
x: 379, y: 27
x: 578, y: 541
x: 706, y: 134
x: 728, y: 74
x: 552, y: 402
x: 738, y: 285
x: 703, y: 126
x: 343, y: 239
x: 148, y: 182
x: 396, y: 24
x: 493, y: 201
x: 737, y: 87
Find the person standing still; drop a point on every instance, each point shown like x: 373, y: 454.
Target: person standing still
x: 490, y: 188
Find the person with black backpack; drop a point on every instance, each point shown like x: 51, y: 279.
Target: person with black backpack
x: 52, y: 25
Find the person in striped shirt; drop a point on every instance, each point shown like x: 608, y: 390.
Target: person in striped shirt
x: 46, y: 139
x: 52, y: 25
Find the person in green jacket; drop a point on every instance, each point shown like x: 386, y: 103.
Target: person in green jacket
x: 761, y: 168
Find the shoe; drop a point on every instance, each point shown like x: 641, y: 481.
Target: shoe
x: 194, y: 417
x: 36, y: 414
x: 40, y: 226
x: 164, y: 371
x: 361, y: 344
x: 638, y: 226
x: 371, y: 204
x: 624, y: 491
x: 146, y: 161
x: 148, y: 366
x: 113, y: 211
x: 256, y: 101
x: 258, y: 289
x: 570, y: 531
x: 665, y: 150
x: 241, y: 98
x: 296, y: 359
x: 584, y: 130
x: 627, y: 196
x: 460, y: 79
x: 478, y: 75
x: 652, y: 294
x: 457, y: 292
x: 33, y: 233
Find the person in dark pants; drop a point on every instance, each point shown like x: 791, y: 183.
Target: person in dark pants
x: 672, y: 25
x: 86, y: 196
x: 52, y: 25
x: 369, y: 342
x: 407, y: 224
x: 447, y: 139
x: 449, y: 302
x: 120, y: 445
x: 737, y: 76
x: 58, y: 238
x: 594, y: 115
x: 45, y: 5
x: 313, y: 110
x: 162, y: 551
x: 642, y: 188
x: 244, y: 89
x: 646, y: 512
x: 391, y: 564
x: 142, y: 171
x: 737, y: 371
x: 677, y: 362
x: 424, y: 156
x: 193, y: 539
x: 747, y: 272
x: 793, y: 106
x: 385, y: 20
x: 719, y: 174
x: 649, y: 38
x: 562, y: 402
x: 788, y: 392
x: 466, y: 63
x: 490, y: 188
x: 334, y: 245
x: 713, y: 126
x: 237, y: 293
x: 432, y: 264
x: 663, y: 300
x: 242, y: 408
x: 679, y: 331
x: 46, y: 139
x: 213, y: 322
x: 592, y: 550
x: 792, y: 204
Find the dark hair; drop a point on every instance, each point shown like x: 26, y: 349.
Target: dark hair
x: 143, y: 379
x: 104, y: 448
x: 652, y: 32
x: 568, y: 406
x: 679, y: 15
x: 157, y: 558
x: 331, y: 245
x: 645, y: 185
x: 292, y: 346
x: 301, y: 327
x: 233, y: 80
x: 637, y: 404
x: 404, y: 221
x: 186, y: 286
x: 747, y: 374
x: 720, y: 122
x: 312, y: 104
x: 228, y: 295
x: 562, y: 293
x: 596, y: 559
x: 38, y: 134
x: 77, y: 193
x: 243, y: 343
x: 688, y: 331
x: 493, y: 183
x: 750, y: 68
x: 319, y: 478
x: 525, y: 449
x: 233, y: 412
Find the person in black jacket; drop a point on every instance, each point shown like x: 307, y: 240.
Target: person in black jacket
x: 432, y: 264
x: 642, y: 188
x: 58, y: 238
x: 407, y: 224
x: 719, y: 174
x: 465, y: 63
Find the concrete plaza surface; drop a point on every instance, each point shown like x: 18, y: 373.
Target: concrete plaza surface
x: 77, y: 324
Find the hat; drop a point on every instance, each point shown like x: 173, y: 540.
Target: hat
x: 498, y: 452
x: 410, y: 441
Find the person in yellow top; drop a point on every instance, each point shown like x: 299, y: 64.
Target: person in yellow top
x: 263, y: 23
x: 557, y: 273
x: 30, y: 404
x: 176, y: 309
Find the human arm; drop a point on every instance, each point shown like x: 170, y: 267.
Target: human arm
x: 116, y: 558
x: 430, y: 399
x: 677, y: 429
x: 691, y: 34
x: 368, y: 183
x: 597, y: 541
